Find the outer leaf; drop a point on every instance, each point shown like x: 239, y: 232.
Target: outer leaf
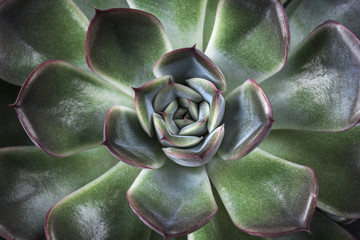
x: 209, y: 21
x: 221, y: 227
x: 265, y: 195
x: 319, y: 87
x: 335, y: 159
x: 34, y: 31
x: 321, y: 228
x: 99, y: 210
x: 63, y: 108
x: 250, y: 40
x: 31, y: 182
x: 306, y: 15
x: 248, y: 120
x: 11, y: 132
x: 126, y: 139
x: 156, y: 236
x: 183, y: 20
x: 122, y: 45
x: 188, y: 63
x: 201, y: 153
x: 87, y: 6
x: 173, y: 200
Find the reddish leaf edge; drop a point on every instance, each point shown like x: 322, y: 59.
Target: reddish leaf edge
x: 306, y: 228
x: 196, y: 53
x: 113, y: 151
x: 347, y: 30
x: 164, y: 234
x: 16, y: 106
x: 99, y: 12
x: 266, y: 129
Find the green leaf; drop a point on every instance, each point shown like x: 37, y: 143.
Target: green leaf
x: 247, y: 119
x: 122, y: 45
x: 31, y: 182
x: 183, y: 20
x: 198, y: 128
x: 250, y: 39
x: 220, y: 227
x: 11, y: 131
x: 321, y: 228
x: 87, y: 6
x: 173, y: 200
x: 144, y: 99
x: 187, y: 63
x: 318, y: 89
x: 63, y: 108
x: 265, y: 195
x: 99, y: 210
x: 201, y: 153
x: 335, y: 159
x: 213, y: 96
x: 34, y: 31
x: 306, y: 15
x: 126, y: 139
x: 167, y: 139
x: 209, y: 21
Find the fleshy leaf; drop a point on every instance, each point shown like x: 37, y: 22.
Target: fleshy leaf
x: 250, y: 39
x: 126, y: 139
x: 200, y: 154
x: 32, y: 181
x: 123, y: 44
x: 265, y: 195
x: 34, y: 31
x: 183, y: 20
x: 191, y: 106
x: 87, y: 7
x: 248, y: 120
x: 318, y: 89
x: 198, y: 128
x: 209, y: 21
x: 99, y: 210
x: 188, y: 63
x: 321, y: 228
x: 173, y: 200
x: 306, y: 15
x: 63, y: 108
x: 11, y: 131
x: 335, y: 159
x: 213, y: 96
x: 170, y: 140
x: 221, y: 227
x: 172, y: 91
x: 144, y: 99
x: 168, y: 116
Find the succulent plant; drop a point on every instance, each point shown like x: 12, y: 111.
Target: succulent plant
x: 162, y: 136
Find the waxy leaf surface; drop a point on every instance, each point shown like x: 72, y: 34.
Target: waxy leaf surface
x: 63, y: 108
x: 187, y: 63
x: 335, y: 159
x: 247, y: 119
x: 173, y: 200
x: 32, y: 181
x: 122, y: 45
x: 99, y: 210
x: 126, y: 139
x: 305, y: 15
x: 249, y: 40
x: 87, y: 7
x: 265, y: 195
x: 183, y: 20
x: 319, y: 87
x: 34, y: 31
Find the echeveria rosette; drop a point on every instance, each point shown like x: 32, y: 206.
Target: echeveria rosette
x: 64, y: 107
